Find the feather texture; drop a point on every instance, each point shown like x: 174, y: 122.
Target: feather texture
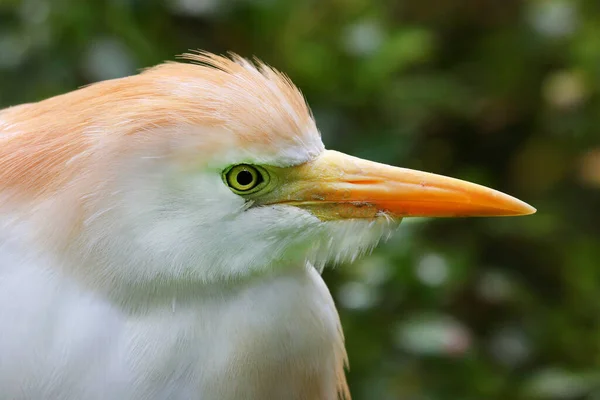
x: 45, y: 145
x: 90, y: 204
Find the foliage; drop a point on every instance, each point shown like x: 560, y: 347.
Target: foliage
x: 504, y: 93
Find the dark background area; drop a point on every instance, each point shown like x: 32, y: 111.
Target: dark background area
x: 503, y: 93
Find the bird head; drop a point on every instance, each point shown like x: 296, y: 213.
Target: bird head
x: 207, y: 171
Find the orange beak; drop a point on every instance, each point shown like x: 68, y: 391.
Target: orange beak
x: 338, y: 186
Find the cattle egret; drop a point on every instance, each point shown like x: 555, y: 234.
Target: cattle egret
x: 162, y: 237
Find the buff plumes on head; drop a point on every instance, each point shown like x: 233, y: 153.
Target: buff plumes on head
x: 161, y: 237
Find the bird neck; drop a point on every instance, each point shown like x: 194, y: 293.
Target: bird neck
x: 136, y: 297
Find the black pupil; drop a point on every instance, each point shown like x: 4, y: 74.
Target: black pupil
x: 244, y: 178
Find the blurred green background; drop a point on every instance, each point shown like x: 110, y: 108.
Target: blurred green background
x: 504, y: 93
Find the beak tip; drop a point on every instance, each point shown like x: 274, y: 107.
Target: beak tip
x: 524, y: 209
x: 510, y: 206
x: 529, y: 210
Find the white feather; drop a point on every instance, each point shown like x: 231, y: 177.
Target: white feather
x: 174, y: 289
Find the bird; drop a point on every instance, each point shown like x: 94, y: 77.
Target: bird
x: 162, y: 236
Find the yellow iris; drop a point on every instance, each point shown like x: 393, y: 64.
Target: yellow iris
x: 244, y: 178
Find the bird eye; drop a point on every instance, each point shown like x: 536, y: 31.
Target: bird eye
x: 244, y: 179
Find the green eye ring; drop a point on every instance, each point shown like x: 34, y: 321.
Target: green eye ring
x: 245, y: 179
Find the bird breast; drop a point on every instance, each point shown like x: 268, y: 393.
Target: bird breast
x: 274, y: 338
